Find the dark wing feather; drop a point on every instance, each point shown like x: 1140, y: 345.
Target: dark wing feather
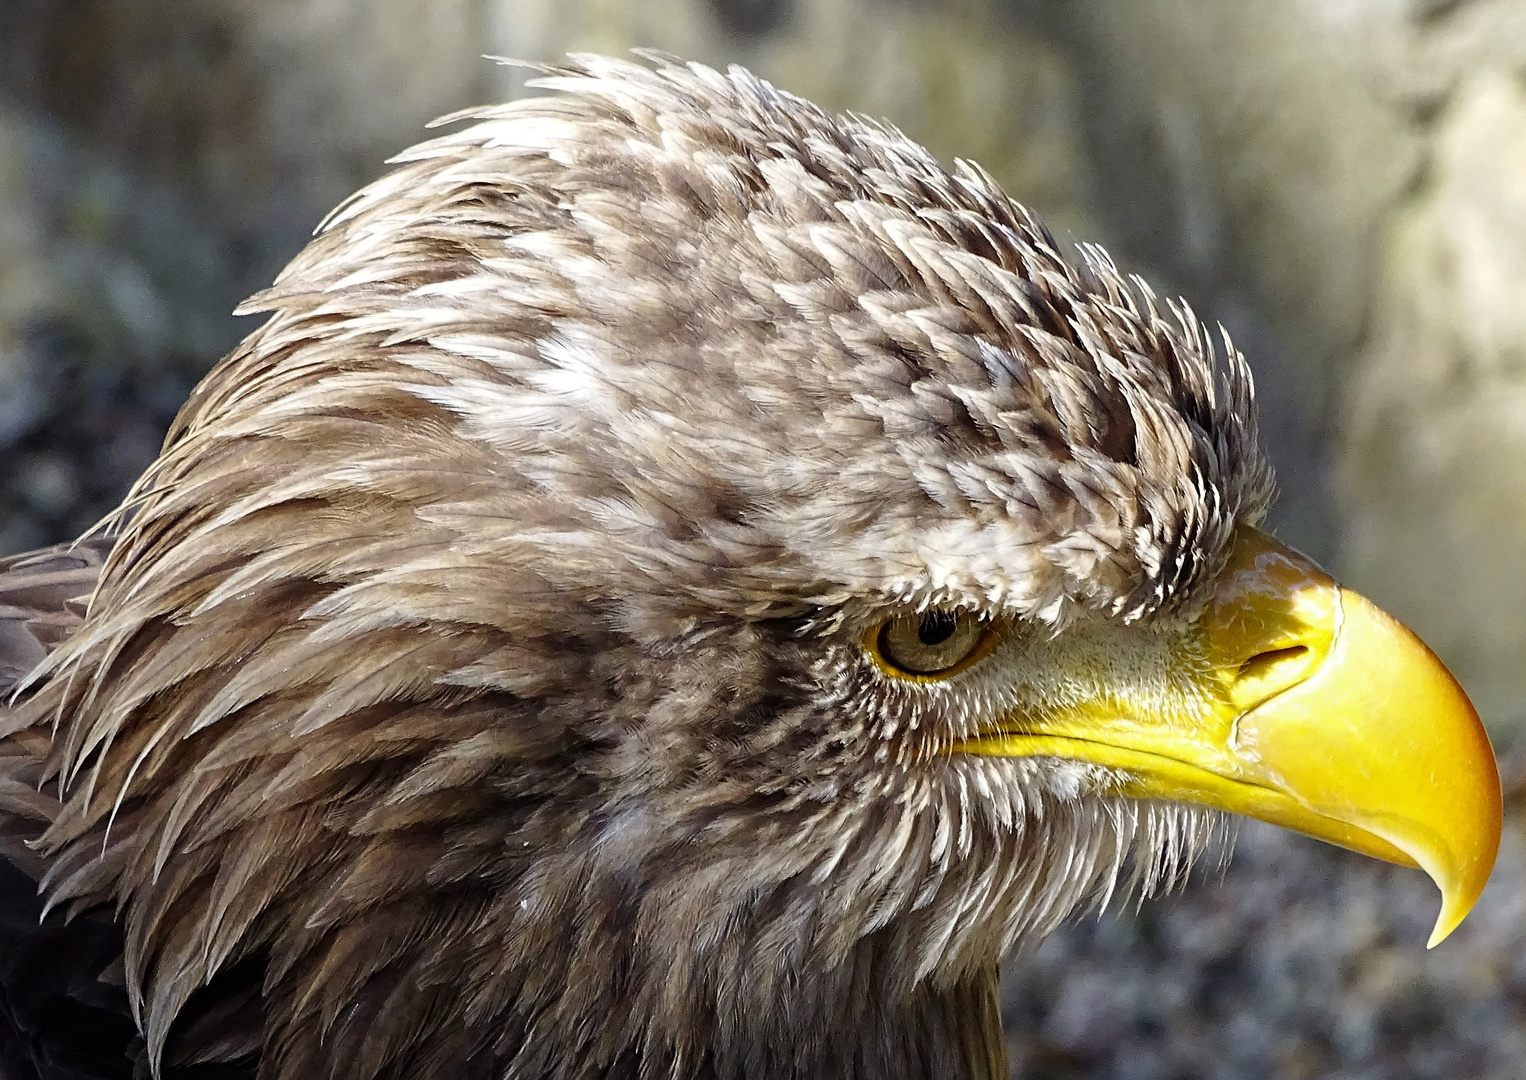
x: 63, y: 1006
x: 58, y: 1019
x: 42, y: 602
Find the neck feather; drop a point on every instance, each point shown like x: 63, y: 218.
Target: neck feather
x: 938, y: 1034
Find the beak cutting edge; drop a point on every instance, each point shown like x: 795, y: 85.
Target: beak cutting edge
x: 1306, y: 706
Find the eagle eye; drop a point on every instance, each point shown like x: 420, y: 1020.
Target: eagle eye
x: 931, y: 643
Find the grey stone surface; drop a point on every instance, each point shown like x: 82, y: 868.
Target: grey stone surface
x: 1297, y: 961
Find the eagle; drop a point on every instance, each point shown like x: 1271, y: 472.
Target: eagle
x: 679, y: 585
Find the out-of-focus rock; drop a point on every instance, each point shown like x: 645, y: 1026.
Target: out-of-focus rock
x: 1299, y: 961
x: 1435, y: 448
x: 93, y: 351
x: 23, y: 279
x: 27, y: 289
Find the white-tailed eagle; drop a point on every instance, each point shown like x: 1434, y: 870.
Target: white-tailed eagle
x: 678, y: 586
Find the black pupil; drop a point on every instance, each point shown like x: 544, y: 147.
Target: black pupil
x: 936, y: 627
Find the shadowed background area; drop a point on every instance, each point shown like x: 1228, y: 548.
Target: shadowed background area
x: 1339, y: 183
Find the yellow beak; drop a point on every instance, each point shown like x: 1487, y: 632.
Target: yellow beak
x: 1300, y: 703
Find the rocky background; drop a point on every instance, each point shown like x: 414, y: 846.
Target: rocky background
x: 1342, y: 183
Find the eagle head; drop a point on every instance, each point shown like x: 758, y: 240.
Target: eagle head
x: 678, y: 587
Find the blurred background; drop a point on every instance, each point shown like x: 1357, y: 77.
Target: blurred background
x: 1341, y: 183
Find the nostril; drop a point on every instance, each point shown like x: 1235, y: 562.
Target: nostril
x: 1262, y: 664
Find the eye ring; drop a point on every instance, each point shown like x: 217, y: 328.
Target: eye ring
x: 930, y: 645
